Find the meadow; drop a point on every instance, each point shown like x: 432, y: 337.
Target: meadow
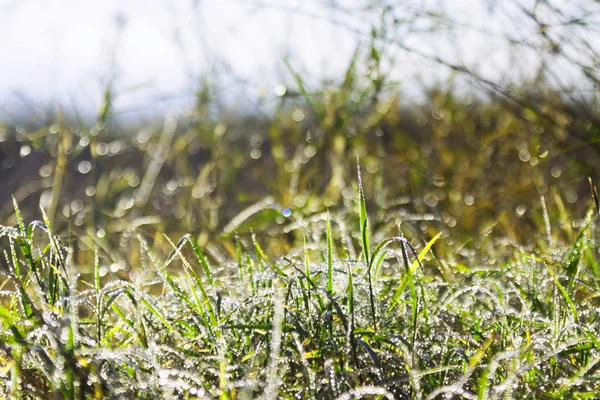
x: 350, y: 245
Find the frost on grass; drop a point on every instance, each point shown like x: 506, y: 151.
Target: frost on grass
x: 486, y: 322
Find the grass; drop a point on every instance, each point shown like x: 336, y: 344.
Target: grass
x: 240, y: 257
x: 498, y: 321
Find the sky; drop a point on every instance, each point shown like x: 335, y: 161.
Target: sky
x: 156, y: 53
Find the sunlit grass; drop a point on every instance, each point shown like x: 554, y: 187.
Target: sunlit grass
x: 309, y: 323
x: 242, y: 257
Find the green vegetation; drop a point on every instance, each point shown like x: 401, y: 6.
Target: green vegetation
x: 336, y: 317
x: 232, y: 256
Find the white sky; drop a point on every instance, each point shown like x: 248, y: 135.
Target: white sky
x: 62, y: 51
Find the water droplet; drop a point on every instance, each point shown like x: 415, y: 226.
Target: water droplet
x: 556, y: 172
x: 430, y: 199
x: 298, y: 115
x: 102, y: 149
x: 76, y: 206
x: 25, y: 151
x: 171, y: 185
x: 255, y: 154
x: 280, y: 89
x: 571, y: 196
x: 45, y: 171
x: 84, y: 167
x: 524, y: 155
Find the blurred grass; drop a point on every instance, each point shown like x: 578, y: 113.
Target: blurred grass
x: 467, y: 163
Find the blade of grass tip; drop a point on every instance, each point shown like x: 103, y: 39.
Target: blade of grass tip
x: 189, y: 273
x: 572, y: 267
x: 380, y: 252
x: 329, y: 256
x: 306, y: 259
x: 170, y: 282
x: 424, y: 252
x: 564, y: 292
x: 53, y: 272
x: 26, y: 303
x: 547, y: 221
x: 594, y: 195
x: 413, y: 295
x: 364, y: 223
x: 364, y: 229
x: 187, y: 238
x: 24, y: 242
x: 261, y: 255
x: 259, y: 259
x: 19, y: 218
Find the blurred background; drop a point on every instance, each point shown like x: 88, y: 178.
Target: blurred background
x: 213, y: 117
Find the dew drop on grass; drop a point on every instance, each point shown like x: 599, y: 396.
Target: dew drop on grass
x: 45, y: 171
x: 534, y: 161
x: 255, y: 154
x: 280, y: 90
x: 298, y: 115
x: 133, y: 181
x: 170, y: 186
x: 102, y: 149
x: 438, y: 180
x: 25, y: 151
x: 571, y: 196
x: 524, y: 155
x: 84, y: 167
x: 372, y: 167
x: 430, y: 199
x: 76, y: 206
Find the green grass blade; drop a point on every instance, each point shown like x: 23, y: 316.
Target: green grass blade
x: 329, y: 256
x: 364, y: 223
